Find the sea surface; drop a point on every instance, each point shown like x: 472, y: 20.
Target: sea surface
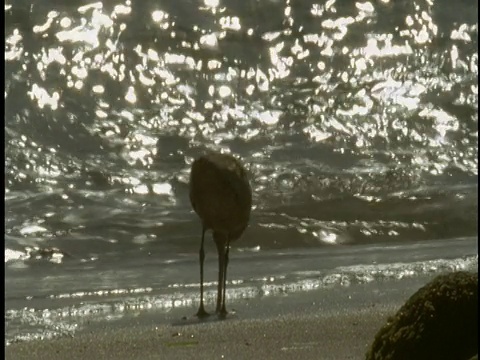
x: 357, y: 122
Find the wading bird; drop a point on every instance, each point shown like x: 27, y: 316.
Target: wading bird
x: 221, y: 196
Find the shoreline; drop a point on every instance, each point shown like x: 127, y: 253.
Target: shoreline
x: 346, y: 336
x: 327, y: 323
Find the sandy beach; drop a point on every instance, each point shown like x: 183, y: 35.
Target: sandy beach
x: 286, y: 337
x: 336, y: 323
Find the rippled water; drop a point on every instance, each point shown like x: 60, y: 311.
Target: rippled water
x: 357, y: 122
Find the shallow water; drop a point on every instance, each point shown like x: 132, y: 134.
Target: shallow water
x: 357, y: 122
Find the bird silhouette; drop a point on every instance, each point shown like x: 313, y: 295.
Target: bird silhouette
x: 221, y: 196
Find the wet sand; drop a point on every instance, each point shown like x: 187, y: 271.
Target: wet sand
x: 329, y: 337
x: 336, y: 323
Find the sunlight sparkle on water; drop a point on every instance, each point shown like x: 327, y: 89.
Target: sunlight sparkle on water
x: 94, y: 6
x: 65, y: 22
x: 209, y: 41
x: 224, y: 91
x: 79, y: 34
x: 365, y: 6
x: 141, y: 189
x: 42, y: 28
x: 269, y: 117
x: 212, y: 3
x: 130, y: 96
x: 122, y: 9
x: 230, y: 23
x: 374, y: 49
x: 158, y: 16
x: 163, y: 189
x: 98, y: 89
x: 43, y: 98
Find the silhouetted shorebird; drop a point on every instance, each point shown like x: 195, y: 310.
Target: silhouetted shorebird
x: 221, y: 196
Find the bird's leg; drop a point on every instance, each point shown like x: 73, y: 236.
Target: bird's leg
x: 201, y: 310
x: 220, y: 243
x: 223, y: 310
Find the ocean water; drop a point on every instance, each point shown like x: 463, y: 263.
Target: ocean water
x: 357, y: 123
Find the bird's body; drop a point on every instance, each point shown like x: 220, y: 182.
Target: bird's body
x: 221, y: 196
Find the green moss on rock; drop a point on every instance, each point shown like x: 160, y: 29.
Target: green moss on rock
x: 439, y: 321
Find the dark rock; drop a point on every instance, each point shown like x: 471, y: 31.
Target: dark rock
x: 439, y: 321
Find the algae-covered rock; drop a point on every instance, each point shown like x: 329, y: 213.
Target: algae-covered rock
x: 439, y: 321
